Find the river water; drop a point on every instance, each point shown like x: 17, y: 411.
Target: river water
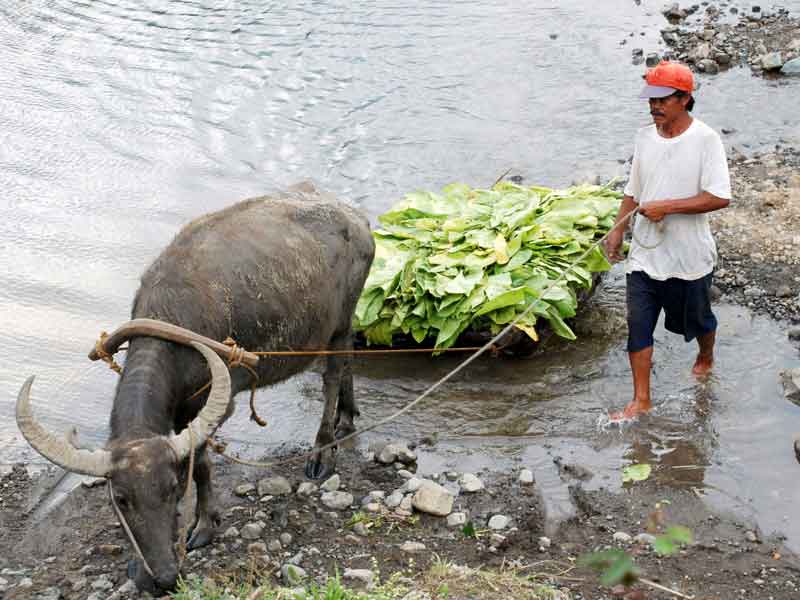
x: 122, y: 120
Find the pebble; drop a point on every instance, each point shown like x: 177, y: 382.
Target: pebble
x: 332, y: 484
x: 243, y: 489
x: 470, y: 483
x: 274, y: 546
x: 396, y: 452
x: 794, y: 333
x: 230, y: 533
x: 526, y: 477
x: 292, y: 574
x: 750, y: 536
x: 103, y: 583
x: 274, y: 486
x: 622, y: 537
x: 394, y: 499
x: 645, y: 539
x: 252, y: 531
x: 3, y: 585
x: 405, y: 474
x: 259, y: 548
x: 412, y: 547
x: 498, y: 522
x: 360, y: 529
x: 372, y: 507
x: 457, y: 519
x: 433, y: 499
x: 49, y: 594
x: 337, y: 500
x: 412, y: 485
x: 306, y: 488
x: 286, y: 538
x: 364, y: 576
x: 497, y: 540
x: 544, y: 543
x: 25, y: 583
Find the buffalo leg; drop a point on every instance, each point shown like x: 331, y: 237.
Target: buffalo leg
x: 207, y: 513
x: 322, y: 462
x: 347, y: 409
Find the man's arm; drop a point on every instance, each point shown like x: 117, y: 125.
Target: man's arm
x: 701, y: 203
x: 614, y: 239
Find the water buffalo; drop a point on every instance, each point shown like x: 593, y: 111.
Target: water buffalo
x: 273, y: 273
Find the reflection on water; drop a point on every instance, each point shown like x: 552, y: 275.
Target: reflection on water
x: 120, y: 122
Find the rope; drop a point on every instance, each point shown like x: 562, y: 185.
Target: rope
x: 444, y: 379
x: 187, y: 502
x: 660, y: 228
x: 128, y: 531
x: 99, y: 347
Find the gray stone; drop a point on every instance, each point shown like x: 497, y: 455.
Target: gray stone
x: 791, y: 384
x: 412, y: 547
x: 258, y: 548
x: 645, y: 539
x: 412, y: 485
x: 252, y: 531
x: 433, y: 499
x: 286, y: 538
x: 274, y: 486
x: 750, y: 536
x: 794, y: 333
x: 332, y: 484
x: 230, y: 533
x: 784, y: 291
x: 652, y: 59
x: 372, y: 507
x: 498, y: 522
x: 394, y: 499
x: 406, y: 504
x: 457, y: 519
x: 25, y: 583
x: 49, y: 594
x: 3, y: 585
x: 103, y: 583
x: 708, y: 66
x: 771, y: 61
x: 337, y: 500
x: 306, y: 489
x: 526, y: 477
x: 405, y: 474
x: 622, y: 537
x: 674, y: 12
x: 497, y: 540
x: 396, y: 452
x: 274, y: 546
x: 470, y: 483
x: 360, y: 529
x: 791, y: 67
x: 243, y: 489
x: 127, y: 589
x: 292, y: 574
x: 544, y: 543
x: 363, y: 576
x: 700, y: 52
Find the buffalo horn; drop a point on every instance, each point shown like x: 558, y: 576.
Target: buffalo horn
x: 209, y: 418
x: 54, y: 448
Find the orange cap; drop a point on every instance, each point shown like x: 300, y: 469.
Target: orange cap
x: 666, y: 78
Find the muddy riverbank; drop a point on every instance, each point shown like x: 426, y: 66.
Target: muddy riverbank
x: 77, y: 551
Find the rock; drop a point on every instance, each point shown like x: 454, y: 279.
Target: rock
x: 416, y: 595
x: 103, y: 583
x: 433, y: 499
x: 243, y: 489
x: 257, y: 548
x: 406, y: 504
x: 412, y: 547
x: 394, y: 499
x: 645, y: 539
x: 252, y: 531
x: 498, y: 522
x: 306, y: 488
x: 372, y: 507
x: 771, y: 61
x: 25, y: 583
x: 674, y: 12
x: 470, y: 483
x: 700, y: 52
x: 396, y: 452
x: 791, y: 67
x: 714, y: 293
x: 363, y: 576
x: 544, y: 543
x: 412, y: 485
x: 526, y: 477
x: 405, y: 474
x: 3, y: 585
x: 332, y: 484
x: 360, y: 529
x: 292, y: 574
x: 708, y: 66
x: 377, y: 495
x: 750, y: 536
x: 108, y: 549
x: 457, y: 519
x: 337, y: 500
x: 791, y: 384
x: 49, y: 594
x: 794, y: 333
x: 496, y: 540
x: 622, y: 537
x: 274, y: 486
x: 286, y: 538
x: 652, y: 59
x: 127, y: 589
x: 90, y: 482
x: 784, y: 291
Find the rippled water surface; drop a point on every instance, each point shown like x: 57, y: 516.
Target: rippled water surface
x: 120, y: 121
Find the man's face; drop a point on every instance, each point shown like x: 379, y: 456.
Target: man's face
x: 666, y: 110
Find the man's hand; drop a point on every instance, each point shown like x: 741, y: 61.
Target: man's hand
x: 614, y: 245
x: 655, y: 211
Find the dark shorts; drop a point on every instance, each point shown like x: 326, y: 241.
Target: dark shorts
x: 686, y: 305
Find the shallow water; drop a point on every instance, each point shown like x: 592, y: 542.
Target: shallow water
x: 120, y: 122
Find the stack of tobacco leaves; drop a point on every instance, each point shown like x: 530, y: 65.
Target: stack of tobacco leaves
x: 476, y: 259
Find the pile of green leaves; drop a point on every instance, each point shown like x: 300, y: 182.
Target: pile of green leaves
x: 478, y: 258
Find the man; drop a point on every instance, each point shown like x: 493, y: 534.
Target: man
x: 679, y: 174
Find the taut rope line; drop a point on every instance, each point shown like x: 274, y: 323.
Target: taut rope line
x: 480, y: 351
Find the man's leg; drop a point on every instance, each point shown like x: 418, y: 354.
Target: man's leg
x: 643, y: 303
x: 705, y: 357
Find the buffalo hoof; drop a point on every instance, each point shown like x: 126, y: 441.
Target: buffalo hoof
x: 344, y: 428
x: 202, y: 532
x: 321, y: 465
x: 797, y: 449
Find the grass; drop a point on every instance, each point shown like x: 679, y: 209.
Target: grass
x: 443, y: 580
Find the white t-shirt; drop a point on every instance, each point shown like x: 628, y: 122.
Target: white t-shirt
x: 672, y: 169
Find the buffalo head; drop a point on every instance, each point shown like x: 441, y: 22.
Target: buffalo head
x: 144, y: 473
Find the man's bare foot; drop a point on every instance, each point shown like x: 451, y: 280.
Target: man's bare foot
x: 702, y: 365
x: 631, y: 411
